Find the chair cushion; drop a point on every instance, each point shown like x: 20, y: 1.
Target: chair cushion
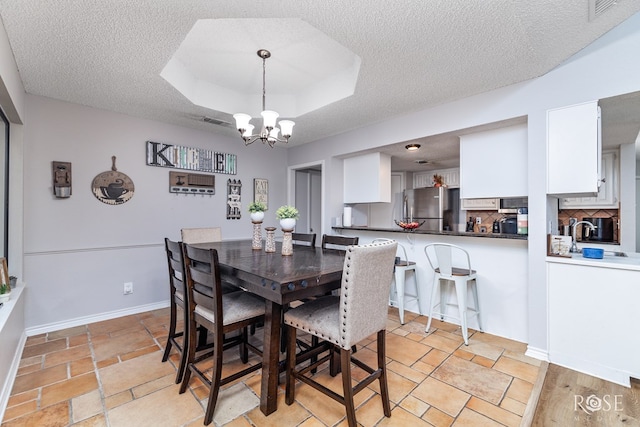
x: 459, y: 271
x: 236, y: 306
x: 319, y: 317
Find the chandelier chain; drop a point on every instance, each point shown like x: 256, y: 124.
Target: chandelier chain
x: 264, y: 82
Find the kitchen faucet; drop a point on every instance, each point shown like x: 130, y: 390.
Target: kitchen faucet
x: 574, y: 246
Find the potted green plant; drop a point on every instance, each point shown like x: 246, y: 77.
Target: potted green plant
x: 287, y: 216
x: 5, y: 293
x: 256, y: 211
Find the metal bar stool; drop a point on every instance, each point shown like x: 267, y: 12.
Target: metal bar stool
x: 440, y: 257
x: 402, y: 266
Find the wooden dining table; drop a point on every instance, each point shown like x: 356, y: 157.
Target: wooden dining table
x: 280, y: 280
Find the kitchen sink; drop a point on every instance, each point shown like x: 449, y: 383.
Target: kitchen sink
x: 615, y: 253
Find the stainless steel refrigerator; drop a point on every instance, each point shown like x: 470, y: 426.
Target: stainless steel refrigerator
x: 437, y: 206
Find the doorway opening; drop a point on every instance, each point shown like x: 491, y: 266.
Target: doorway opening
x: 306, y: 192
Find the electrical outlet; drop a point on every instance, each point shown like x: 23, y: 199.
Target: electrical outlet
x: 478, y: 220
x: 128, y: 288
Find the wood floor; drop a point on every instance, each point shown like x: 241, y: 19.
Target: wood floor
x: 570, y: 398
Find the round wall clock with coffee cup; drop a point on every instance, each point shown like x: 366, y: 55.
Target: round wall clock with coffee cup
x: 112, y: 187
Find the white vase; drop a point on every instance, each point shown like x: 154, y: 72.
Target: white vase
x: 257, y: 216
x: 5, y: 297
x: 288, y: 223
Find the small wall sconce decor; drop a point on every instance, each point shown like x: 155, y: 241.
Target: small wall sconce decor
x: 61, y: 175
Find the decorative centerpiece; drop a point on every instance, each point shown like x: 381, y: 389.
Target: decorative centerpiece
x: 256, y: 211
x: 438, y: 181
x: 409, y: 225
x: 270, y: 244
x: 287, y: 216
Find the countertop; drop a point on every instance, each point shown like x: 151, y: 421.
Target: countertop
x: 630, y: 262
x: 434, y: 232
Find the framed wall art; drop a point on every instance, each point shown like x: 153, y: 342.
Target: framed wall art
x: 234, y: 199
x: 261, y: 191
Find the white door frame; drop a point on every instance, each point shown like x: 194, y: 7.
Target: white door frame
x: 291, y: 186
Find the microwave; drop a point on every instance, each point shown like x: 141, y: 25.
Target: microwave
x: 511, y: 205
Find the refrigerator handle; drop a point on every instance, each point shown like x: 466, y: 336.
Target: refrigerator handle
x: 405, y: 206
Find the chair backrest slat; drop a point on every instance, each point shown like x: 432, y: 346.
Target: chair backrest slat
x: 202, y: 274
x: 176, y: 265
x: 309, y: 238
x: 338, y: 242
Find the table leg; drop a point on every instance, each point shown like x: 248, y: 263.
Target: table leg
x: 270, y: 358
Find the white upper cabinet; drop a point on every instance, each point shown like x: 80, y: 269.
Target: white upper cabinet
x: 494, y: 163
x: 608, y: 194
x: 574, y: 150
x: 450, y: 176
x: 367, y: 178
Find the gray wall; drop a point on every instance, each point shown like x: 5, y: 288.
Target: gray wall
x: 78, y: 252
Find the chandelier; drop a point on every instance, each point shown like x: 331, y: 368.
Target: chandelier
x: 269, y: 132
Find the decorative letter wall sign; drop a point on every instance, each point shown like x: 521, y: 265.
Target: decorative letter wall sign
x: 195, y: 159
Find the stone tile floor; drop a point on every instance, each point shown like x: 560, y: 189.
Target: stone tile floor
x: 110, y: 374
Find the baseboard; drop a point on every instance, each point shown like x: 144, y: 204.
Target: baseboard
x: 594, y: 369
x: 13, y: 371
x: 537, y: 353
x: 79, y: 321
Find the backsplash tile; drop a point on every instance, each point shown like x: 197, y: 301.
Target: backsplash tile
x: 565, y: 214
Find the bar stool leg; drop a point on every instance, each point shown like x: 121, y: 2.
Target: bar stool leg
x: 461, y: 293
x: 418, y: 296
x: 399, y: 279
x: 432, y: 302
x: 443, y: 295
x: 474, y: 288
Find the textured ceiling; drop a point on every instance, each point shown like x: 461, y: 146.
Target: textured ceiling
x: 415, y: 54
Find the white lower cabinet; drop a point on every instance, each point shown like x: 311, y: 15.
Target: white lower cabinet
x: 592, y: 311
x: 607, y: 194
x: 480, y: 204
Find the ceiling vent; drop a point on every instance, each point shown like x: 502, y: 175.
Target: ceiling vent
x: 598, y: 7
x: 218, y: 122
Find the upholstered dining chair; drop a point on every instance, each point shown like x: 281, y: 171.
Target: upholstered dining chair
x: 345, y: 320
x: 191, y: 236
x: 178, y: 293
x: 177, y: 299
x: 308, y: 239
x: 220, y: 313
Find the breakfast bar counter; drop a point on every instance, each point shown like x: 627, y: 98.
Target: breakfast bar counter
x: 501, y: 263
x: 435, y: 232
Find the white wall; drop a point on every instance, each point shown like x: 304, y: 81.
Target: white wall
x: 607, y: 67
x: 78, y: 252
